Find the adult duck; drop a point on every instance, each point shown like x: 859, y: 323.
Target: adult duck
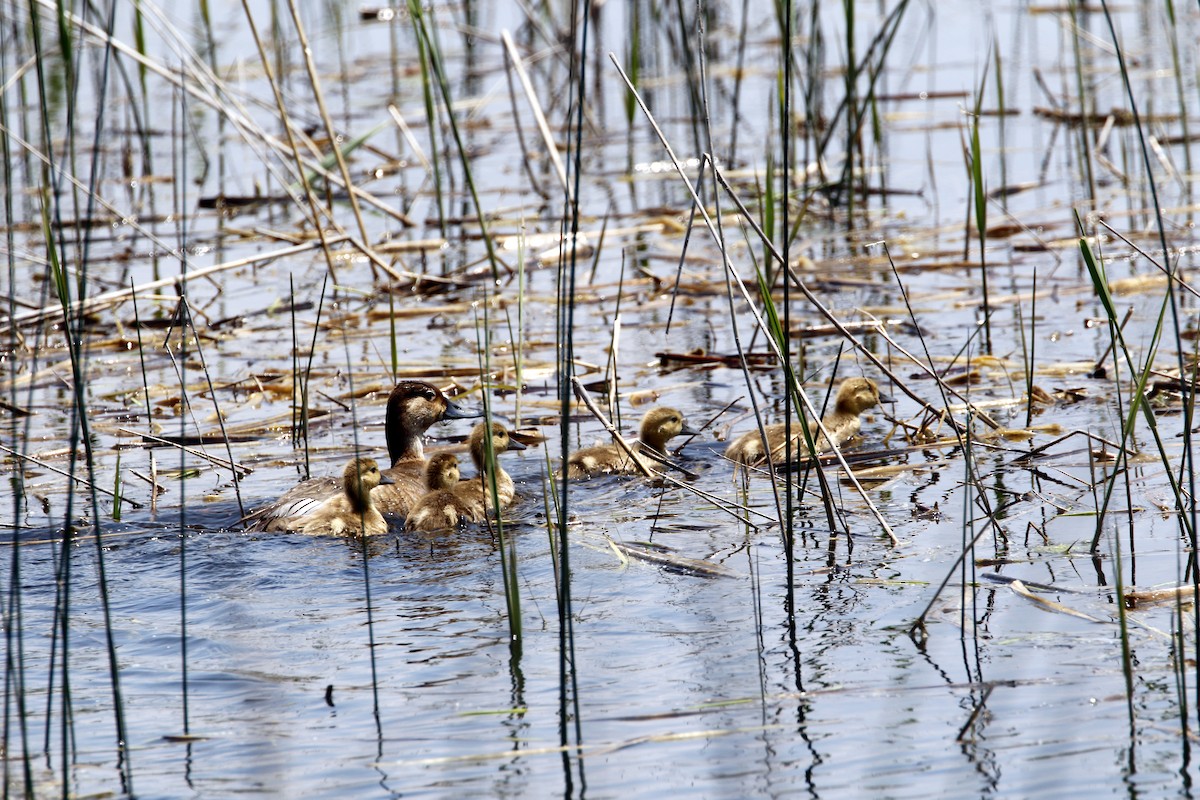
x: 352, y: 511
x: 659, y: 426
x: 412, y: 407
x: 854, y: 396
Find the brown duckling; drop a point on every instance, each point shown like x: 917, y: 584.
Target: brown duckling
x: 350, y: 512
x: 659, y: 426
x: 439, y: 508
x: 475, y: 495
x: 412, y: 407
x: 854, y: 396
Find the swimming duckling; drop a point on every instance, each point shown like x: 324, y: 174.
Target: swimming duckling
x: 854, y: 396
x: 439, y: 508
x: 350, y: 512
x: 412, y: 407
x: 659, y: 426
x: 475, y: 495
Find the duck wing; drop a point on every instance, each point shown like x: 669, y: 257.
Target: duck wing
x: 301, y: 500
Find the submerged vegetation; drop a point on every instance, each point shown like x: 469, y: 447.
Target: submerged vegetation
x: 229, y: 238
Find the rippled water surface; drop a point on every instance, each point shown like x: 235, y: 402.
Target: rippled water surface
x: 319, y: 667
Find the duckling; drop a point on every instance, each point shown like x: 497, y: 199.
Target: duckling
x: 439, y: 508
x: 352, y: 511
x: 659, y: 426
x: 412, y: 407
x: 854, y: 396
x: 475, y: 495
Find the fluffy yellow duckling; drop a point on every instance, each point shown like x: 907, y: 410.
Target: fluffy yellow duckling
x: 351, y: 512
x: 412, y: 407
x: 475, y: 495
x: 854, y: 396
x: 439, y: 508
x: 659, y: 426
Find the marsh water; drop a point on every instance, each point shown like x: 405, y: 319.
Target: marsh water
x: 156, y: 649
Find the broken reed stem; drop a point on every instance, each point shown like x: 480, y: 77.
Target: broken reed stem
x: 842, y: 330
x: 96, y: 302
x: 316, y: 211
x: 78, y: 480
x: 185, y: 325
x: 536, y: 107
x: 214, y: 460
x: 330, y: 132
x: 210, y: 89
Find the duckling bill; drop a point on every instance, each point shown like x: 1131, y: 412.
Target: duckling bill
x: 659, y: 425
x: 854, y: 396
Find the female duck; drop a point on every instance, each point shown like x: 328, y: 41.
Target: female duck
x: 412, y: 407
x: 854, y: 396
x: 475, y: 495
x: 659, y: 426
x: 350, y: 512
x: 439, y: 508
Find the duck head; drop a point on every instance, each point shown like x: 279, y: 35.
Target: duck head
x: 662, y: 424
x: 501, y: 442
x: 358, y: 479
x: 857, y: 395
x: 412, y: 407
x: 442, y: 472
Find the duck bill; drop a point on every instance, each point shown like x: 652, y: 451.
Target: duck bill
x: 513, y: 444
x: 456, y: 411
x: 385, y: 479
x: 688, y: 430
x: 886, y: 398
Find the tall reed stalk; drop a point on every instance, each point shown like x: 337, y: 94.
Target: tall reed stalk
x: 570, y: 718
x: 491, y: 492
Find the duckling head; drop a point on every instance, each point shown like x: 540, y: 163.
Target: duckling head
x: 412, y: 407
x: 660, y: 425
x: 857, y: 395
x: 501, y: 441
x: 359, y: 478
x: 442, y: 472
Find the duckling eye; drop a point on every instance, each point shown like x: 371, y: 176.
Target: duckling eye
x: 428, y: 395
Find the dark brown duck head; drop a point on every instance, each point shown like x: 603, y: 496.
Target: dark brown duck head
x: 412, y: 407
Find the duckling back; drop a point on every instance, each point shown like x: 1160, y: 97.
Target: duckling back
x: 439, y: 508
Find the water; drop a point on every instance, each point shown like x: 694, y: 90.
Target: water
x: 297, y: 684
